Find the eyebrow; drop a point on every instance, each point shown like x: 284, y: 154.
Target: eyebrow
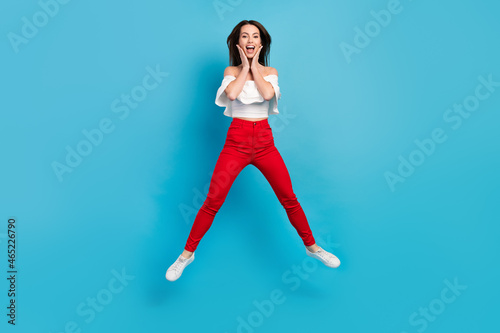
x: 247, y: 33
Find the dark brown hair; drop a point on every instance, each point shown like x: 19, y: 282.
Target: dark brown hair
x: 234, y: 36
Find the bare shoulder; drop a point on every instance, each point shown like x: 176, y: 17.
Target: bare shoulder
x: 235, y: 70
x: 231, y: 70
x: 271, y: 71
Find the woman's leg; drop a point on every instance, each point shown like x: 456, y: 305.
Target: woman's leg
x: 226, y: 170
x: 274, y: 169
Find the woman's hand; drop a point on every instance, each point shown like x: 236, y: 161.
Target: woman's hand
x: 255, y: 59
x: 243, y: 57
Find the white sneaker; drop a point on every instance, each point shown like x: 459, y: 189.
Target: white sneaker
x: 325, y: 257
x: 175, y: 270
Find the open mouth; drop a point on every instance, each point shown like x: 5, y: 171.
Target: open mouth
x: 250, y: 48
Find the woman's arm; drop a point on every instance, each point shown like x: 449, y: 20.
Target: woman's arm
x: 235, y: 87
x: 264, y: 87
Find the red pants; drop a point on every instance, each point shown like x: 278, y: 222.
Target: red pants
x: 249, y: 142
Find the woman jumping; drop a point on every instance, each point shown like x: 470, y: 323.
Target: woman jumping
x: 250, y: 93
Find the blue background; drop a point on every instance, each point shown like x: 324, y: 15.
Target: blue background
x: 342, y: 125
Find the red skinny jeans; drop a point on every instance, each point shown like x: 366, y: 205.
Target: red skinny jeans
x: 249, y: 142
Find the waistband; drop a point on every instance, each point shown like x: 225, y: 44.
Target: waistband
x: 248, y: 123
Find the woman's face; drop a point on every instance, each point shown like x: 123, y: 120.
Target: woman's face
x: 249, y: 39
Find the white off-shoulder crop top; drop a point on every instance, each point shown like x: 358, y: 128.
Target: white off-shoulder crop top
x: 249, y: 102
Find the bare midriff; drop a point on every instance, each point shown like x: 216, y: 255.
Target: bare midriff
x: 250, y: 119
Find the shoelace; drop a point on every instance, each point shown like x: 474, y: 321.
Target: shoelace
x: 325, y: 255
x: 178, y: 264
x: 321, y: 253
